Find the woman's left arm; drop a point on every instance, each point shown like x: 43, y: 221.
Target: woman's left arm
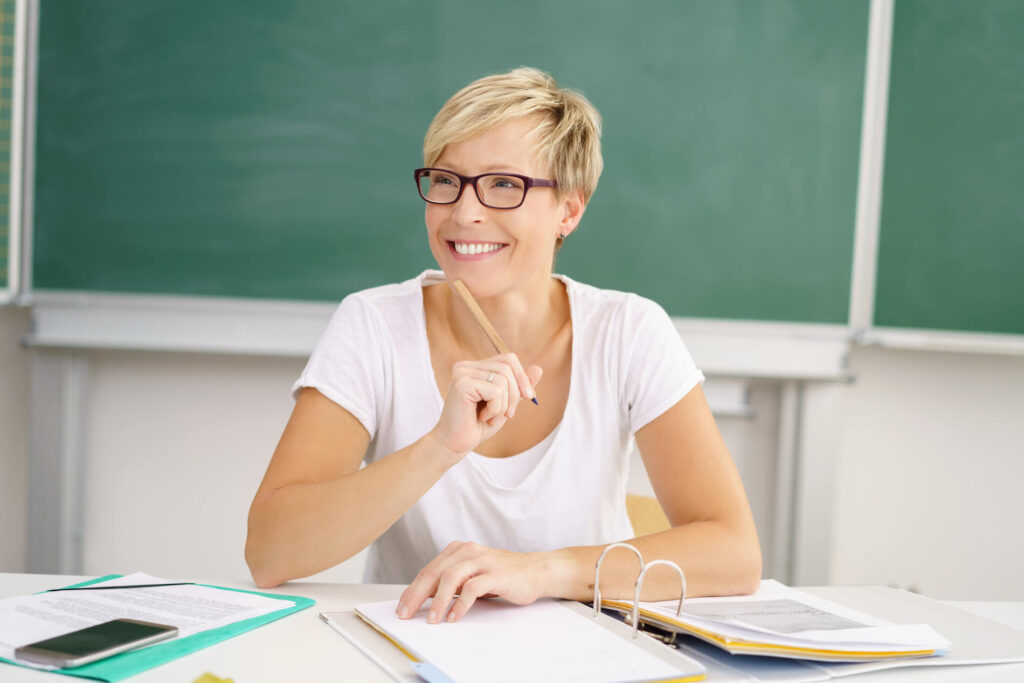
x: 713, y: 537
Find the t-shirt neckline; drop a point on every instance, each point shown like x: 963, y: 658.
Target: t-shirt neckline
x: 432, y: 277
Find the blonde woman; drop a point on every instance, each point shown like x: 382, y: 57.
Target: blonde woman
x: 501, y: 475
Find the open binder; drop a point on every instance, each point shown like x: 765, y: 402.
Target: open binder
x: 775, y: 621
x: 497, y: 641
x: 549, y: 640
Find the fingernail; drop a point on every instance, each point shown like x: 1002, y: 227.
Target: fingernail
x: 401, y: 610
x: 451, y: 616
x: 433, y: 618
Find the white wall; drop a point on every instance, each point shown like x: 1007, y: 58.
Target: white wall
x: 14, y: 391
x: 176, y: 447
x: 931, y: 474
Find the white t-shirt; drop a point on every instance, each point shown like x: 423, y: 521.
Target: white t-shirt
x: 628, y: 367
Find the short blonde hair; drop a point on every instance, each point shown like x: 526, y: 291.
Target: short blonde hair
x: 568, y: 138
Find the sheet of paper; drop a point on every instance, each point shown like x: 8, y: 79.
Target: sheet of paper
x: 774, y: 616
x: 551, y: 642
x: 785, y: 616
x: 29, y: 618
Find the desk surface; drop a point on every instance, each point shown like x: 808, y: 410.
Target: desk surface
x: 301, y: 647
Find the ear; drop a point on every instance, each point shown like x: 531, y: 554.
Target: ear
x: 573, y: 207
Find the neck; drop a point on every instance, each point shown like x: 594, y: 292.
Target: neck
x: 525, y: 317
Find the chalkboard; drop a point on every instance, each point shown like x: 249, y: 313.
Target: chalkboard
x: 265, y: 149
x: 951, y: 249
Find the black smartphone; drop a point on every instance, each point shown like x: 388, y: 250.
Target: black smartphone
x: 94, y: 642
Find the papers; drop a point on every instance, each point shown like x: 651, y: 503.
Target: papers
x: 192, y: 608
x: 545, y: 641
x: 783, y: 622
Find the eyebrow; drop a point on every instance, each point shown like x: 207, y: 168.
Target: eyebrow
x: 490, y: 168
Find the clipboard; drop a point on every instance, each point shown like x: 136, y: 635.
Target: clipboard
x: 127, y: 664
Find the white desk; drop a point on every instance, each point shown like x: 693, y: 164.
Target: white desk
x: 300, y: 647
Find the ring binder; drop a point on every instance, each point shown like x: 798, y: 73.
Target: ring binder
x: 597, y: 571
x: 634, y: 616
x: 639, y: 585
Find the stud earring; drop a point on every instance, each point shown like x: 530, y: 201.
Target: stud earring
x: 561, y: 235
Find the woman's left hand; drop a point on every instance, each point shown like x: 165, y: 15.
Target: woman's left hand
x: 471, y: 571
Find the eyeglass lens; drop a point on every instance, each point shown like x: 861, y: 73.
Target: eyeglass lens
x: 493, y: 189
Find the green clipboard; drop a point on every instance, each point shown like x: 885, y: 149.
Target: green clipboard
x: 127, y: 664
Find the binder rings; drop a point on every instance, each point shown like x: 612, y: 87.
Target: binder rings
x: 775, y: 621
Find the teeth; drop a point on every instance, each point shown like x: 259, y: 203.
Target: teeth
x: 475, y: 248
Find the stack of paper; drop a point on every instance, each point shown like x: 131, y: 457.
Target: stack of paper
x: 779, y: 621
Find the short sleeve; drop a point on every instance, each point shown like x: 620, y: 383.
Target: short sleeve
x: 659, y: 370
x: 348, y: 365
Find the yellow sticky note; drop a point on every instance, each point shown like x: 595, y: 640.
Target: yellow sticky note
x: 210, y: 678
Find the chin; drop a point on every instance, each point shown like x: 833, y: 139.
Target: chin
x: 481, y: 285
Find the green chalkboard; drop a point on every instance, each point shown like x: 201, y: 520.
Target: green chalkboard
x: 265, y: 149
x: 951, y: 249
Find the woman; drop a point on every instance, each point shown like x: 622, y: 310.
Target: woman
x: 471, y: 489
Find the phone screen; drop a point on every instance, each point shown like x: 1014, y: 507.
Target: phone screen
x: 94, y: 642
x: 100, y: 637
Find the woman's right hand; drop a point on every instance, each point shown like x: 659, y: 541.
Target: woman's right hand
x: 482, y: 397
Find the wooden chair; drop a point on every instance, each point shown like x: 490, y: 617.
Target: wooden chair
x: 646, y: 514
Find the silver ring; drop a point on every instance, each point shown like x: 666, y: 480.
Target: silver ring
x: 490, y: 377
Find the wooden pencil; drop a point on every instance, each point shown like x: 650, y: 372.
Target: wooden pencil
x: 481, y: 319
x: 484, y: 323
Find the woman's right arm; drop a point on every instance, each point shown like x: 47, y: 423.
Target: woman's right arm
x: 316, y: 507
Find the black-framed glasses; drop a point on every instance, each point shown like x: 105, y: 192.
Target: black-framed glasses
x: 494, y: 190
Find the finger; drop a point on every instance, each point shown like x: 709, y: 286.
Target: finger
x: 512, y: 391
x: 425, y: 583
x: 416, y: 593
x: 452, y: 580
x: 523, y: 382
x: 494, y: 397
x: 475, y: 587
x: 503, y: 379
x: 501, y: 374
x: 535, y: 372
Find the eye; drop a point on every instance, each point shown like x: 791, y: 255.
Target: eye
x: 502, y: 182
x: 442, y: 179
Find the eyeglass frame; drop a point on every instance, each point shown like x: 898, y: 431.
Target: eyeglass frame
x: 528, y: 182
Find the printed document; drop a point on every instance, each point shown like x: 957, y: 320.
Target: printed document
x: 28, y: 618
x: 784, y: 622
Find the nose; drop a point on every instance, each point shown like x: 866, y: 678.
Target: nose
x: 467, y: 208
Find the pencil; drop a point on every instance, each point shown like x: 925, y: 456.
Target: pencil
x: 113, y: 588
x: 485, y: 324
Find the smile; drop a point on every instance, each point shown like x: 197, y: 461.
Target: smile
x: 475, y: 248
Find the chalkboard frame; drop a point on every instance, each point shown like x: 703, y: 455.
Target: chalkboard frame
x: 860, y: 328
x: 12, y: 40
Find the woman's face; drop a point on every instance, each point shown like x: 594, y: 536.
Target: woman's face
x: 495, y: 250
